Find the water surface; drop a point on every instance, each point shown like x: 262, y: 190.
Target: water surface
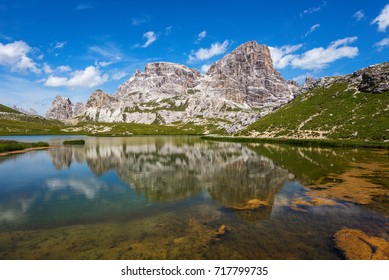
x: 169, y: 198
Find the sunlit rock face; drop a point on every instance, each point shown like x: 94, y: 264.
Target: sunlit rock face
x: 246, y: 75
x: 161, y: 78
x: 62, y: 109
x: 237, y: 90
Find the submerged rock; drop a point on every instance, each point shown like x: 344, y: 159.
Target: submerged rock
x: 302, y: 204
x: 221, y: 231
x: 357, y: 245
x: 252, y: 204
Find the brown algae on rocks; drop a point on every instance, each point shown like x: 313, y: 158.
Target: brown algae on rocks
x: 251, y: 204
x: 355, y: 185
x: 357, y: 245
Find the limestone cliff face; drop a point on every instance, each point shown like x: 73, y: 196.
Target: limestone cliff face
x: 247, y: 75
x: 161, y: 77
x: 61, y: 109
x: 99, y: 99
x: 237, y: 90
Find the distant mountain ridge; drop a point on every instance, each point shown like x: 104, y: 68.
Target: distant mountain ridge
x: 236, y: 91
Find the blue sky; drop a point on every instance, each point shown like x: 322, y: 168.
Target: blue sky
x: 71, y: 48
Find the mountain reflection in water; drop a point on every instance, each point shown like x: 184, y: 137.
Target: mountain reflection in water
x: 165, y: 171
x: 186, y: 198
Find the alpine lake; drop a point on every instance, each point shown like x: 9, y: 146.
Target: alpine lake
x: 182, y: 197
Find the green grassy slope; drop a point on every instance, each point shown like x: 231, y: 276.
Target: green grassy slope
x: 29, y: 125
x: 335, y: 112
x: 6, y: 109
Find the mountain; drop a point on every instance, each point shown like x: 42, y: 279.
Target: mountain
x: 246, y: 75
x: 236, y: 91
x: 24, y: 111
x: 353, y: 106
x: 62, y: 109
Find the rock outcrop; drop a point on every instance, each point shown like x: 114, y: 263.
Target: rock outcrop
x: 61, y: 109
x: 247, y: 75
x: 372, y: 79
x: 100, y: 99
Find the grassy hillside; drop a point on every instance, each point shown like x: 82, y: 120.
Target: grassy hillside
x: 29, y: 125
x: 335, y: 112
x: 6, y: 109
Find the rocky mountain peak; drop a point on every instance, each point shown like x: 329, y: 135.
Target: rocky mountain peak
x: 161, y: 77
x: 249, y: 58
x: 99, y: 99
x: 246, y: 75
x: 61, y: 108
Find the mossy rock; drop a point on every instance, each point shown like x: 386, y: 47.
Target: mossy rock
x: 74, y: 142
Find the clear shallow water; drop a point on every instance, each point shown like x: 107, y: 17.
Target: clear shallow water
x: 167, y: 198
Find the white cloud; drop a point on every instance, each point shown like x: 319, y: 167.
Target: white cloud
x: 319, y: 58
x: 201, y: 36
x: 313, y: 9
x: 59, y: 45
x: 359, y: 15
x: 203, y: 54
x: 282, y: 56
x: 109, y: 51
x: 47, y: 69
x: 314, y: 59
x: 64, y: 68
x: 151, y: 38
x: 301, y: 79
x: 26, y: 93
x: 118, y: 75
x: 139, y: 21
x: 168, y: 30
x: 104, y: 63
x: 89, y: 77
x: 5, y: 37
x: 14, y: 55
x: 84, y: 6
x: 382, y: 19
x: 313, y: 28
x: 382, y: 44
x: 90, y: 188
x: 205, y: 68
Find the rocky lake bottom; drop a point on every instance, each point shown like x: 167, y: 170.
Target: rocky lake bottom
x: 187, y: 198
